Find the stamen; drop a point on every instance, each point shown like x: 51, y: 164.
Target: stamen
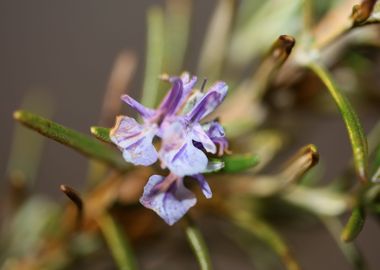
x: 203, y: 84
x: 164, y: 185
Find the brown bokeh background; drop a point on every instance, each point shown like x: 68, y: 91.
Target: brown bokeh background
x: 67, y: 49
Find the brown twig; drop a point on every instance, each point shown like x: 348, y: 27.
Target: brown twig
x: 77, y: 200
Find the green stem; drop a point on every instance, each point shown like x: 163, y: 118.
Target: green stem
x: 117, y: 243
x: 198, y: 245
x: 351, y: 120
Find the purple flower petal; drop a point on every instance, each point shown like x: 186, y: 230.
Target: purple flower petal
x: 177, y: 151
x: 172, y: 204
x: 186, y: 160
x: 135, y: 140
x: 199, y: 135
x: 145, y: 112
x: 214, y: 129
x: 206, y: 190
x: 187, y: 81
x: 209, y: 102
x: 216, y: 133
x: 172, y: 100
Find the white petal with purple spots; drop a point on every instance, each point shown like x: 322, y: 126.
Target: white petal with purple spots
x: 172, y: 204
x: 177, y: 151
x: 199, y: 135
x: 209, y: 102
x: 135, y: 141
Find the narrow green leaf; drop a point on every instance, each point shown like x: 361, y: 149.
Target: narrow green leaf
x: 197, y: 243
x: 251, y: 38
x: 319, y: 201
x: 376, y: 176
x: 266, y: 144
x: 349, y: 250
x: 76, y: 140
x: 26, y: 148
x: 373, y: 139
x: 117, y: 242
x: 354, y: 128
x: 266, y: 233
x: 308, y: 16
x: 245, y: 11
x: 269, y: 185
x: 375, y: 166
x: 154, y: 57
x: 238, y: 163
x: 371, y: 195
x: 216, y: 39
x: 177, y: 29
x: 101, y: 133
x: 248, y: 94
x: 354, y: 225
x: 122, y: 73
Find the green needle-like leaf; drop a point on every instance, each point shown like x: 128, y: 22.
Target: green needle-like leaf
x: 318, y: 201
x: 376, y: 165
x: 177, y: 30
x: 245, y: 44
x: 76, y: 140
x: 354, y: 128
x: 117, y: 243
x: 373, y: 139
x: 26, y: 148
x: 197, y: 243
x: 238, y: 163
x: 354, y: 225
x: 216, y: 39
x: 154, y: 57
x: 101, y: 133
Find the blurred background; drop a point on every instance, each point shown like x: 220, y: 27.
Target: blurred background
x: 65, y: 50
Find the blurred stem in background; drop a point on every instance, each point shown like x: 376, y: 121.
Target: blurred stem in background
x: 154, y: 56
x: 177, y: 31
x: 197, y: 243
x: 214, y: 45
x: 120, y: 79
x: 117, y: 242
